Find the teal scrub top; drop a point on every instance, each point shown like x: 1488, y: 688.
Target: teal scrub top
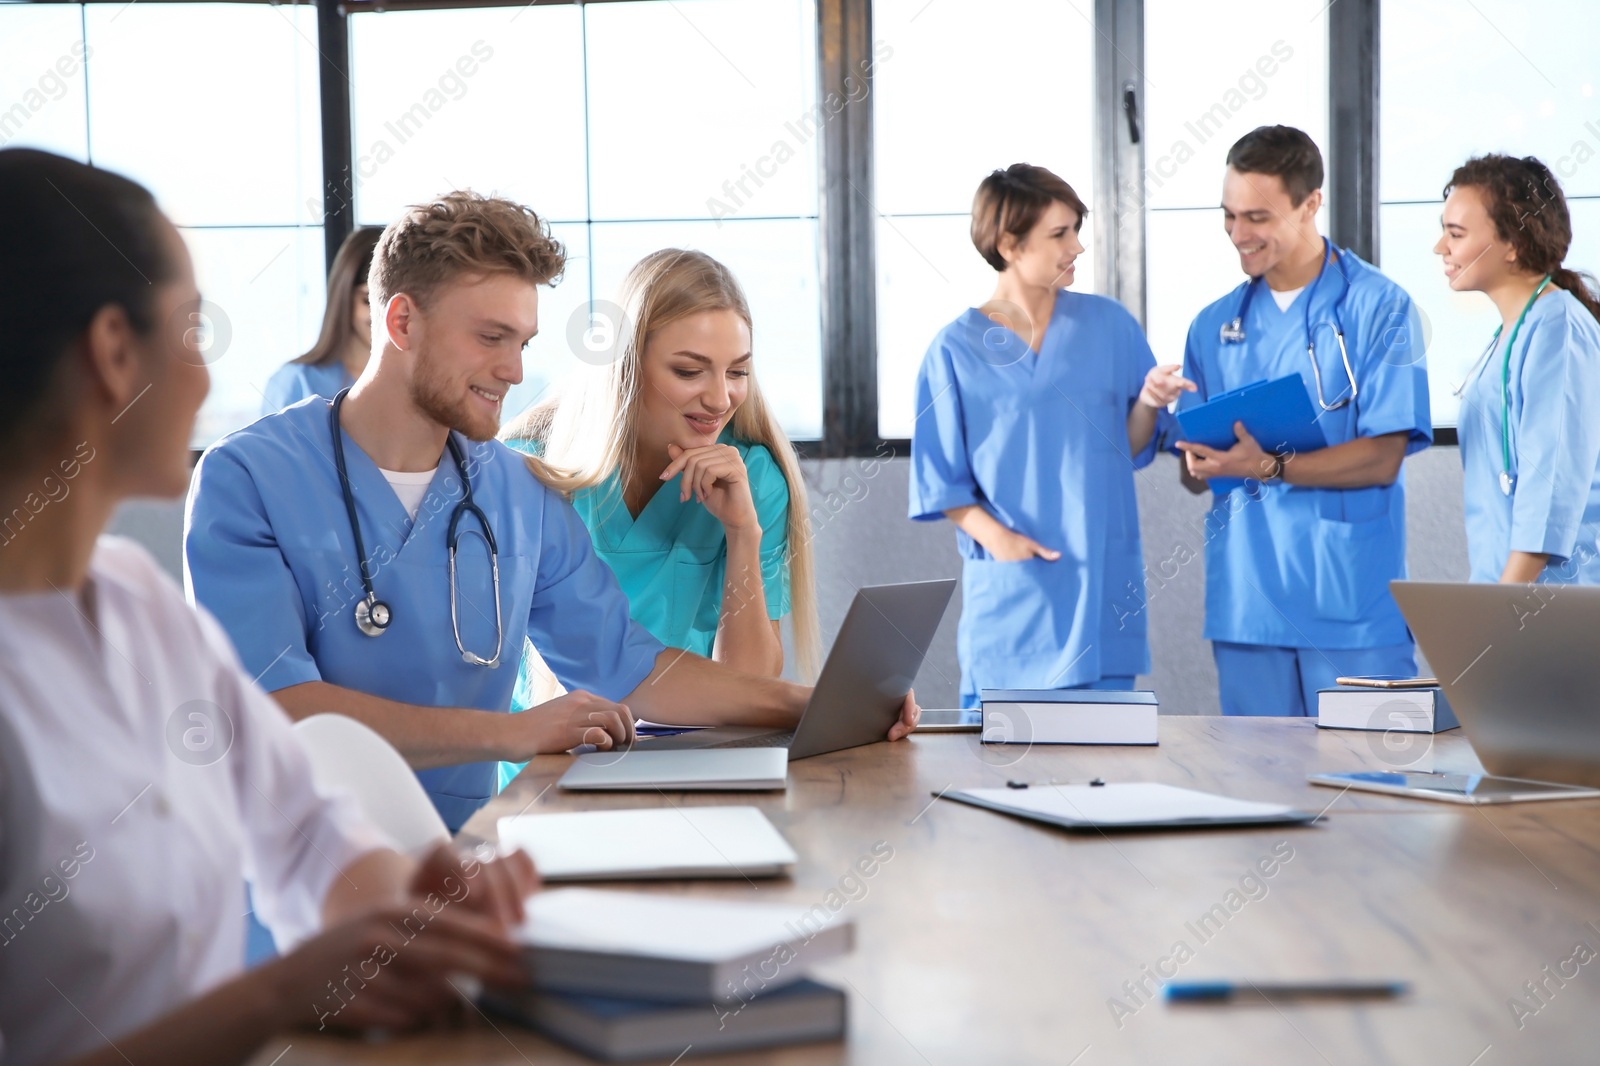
x: 671, y: 560
x: 1554, y: 426
x: 1293, y: 566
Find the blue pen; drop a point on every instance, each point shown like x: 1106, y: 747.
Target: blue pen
x: 1223, y: 991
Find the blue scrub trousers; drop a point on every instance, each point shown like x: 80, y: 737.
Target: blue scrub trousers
x: 1258, y: 679
x: 1119, y: 683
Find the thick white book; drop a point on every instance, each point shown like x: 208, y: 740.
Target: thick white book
x: 1404, y: 710
x: 674, y: 949
x: 697, y: 769
x: 626, y: 1030
x: 1068, y: 716
x: 649, y: 843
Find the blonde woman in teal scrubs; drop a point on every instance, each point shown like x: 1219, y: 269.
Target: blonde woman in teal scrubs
x: 687, y: 484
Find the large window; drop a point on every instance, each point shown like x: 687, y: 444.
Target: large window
x: 699, y: 123
x: 42, y: 82
x: 954, y: 98
x: 597, y: 118
x: 1515, y: 78
x: 214, y: 107
x: 1215, y: 72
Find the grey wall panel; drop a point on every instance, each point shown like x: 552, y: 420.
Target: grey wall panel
x: 863, y: 537
x: 158, y: 525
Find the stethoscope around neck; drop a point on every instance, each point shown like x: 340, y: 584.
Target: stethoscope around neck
x: 1508, y: 480
x: 1233, y: 332
x: 373, y: 616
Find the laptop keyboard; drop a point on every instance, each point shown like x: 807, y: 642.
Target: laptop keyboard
x: 763, y: 740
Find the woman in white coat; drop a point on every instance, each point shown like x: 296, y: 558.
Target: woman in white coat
x: 142, y: 773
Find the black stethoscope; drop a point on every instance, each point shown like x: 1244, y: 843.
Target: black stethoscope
x: 1233, y: 332
x: 373, y: 616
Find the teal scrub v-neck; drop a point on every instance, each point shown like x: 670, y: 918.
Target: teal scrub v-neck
x: 671, y: 560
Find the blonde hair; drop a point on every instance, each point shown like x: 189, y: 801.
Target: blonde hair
x: 588, y: 430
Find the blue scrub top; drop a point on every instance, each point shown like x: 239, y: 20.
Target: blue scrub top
x: 672, y: 559
x: 293, y: 382
x: 1554, y: 401
x: 269, y: 550
x: 1298, y: 567
x: 1041, y: 442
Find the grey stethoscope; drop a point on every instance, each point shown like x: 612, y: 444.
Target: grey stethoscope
x: 1233, y: 332
x: 373, y: 616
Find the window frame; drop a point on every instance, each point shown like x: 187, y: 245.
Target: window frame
x: 847, y: 229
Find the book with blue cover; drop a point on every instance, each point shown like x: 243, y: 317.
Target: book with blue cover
x: 1277, y: 414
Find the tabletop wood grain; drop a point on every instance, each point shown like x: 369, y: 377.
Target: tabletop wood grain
x: 987, y: 939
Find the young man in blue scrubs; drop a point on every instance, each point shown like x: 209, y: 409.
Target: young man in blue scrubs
x: 1297, y: 570
x: 384, y: 557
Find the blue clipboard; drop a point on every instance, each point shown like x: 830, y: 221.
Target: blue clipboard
x: 1277, y: 413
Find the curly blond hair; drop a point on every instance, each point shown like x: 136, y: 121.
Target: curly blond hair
x: 459, y: 234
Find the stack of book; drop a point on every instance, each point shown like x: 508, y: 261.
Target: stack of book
x: 624, y: 976
x: 1388, y: 710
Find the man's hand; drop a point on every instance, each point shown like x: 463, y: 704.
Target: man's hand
x: 1246, y: 459
x: 1164, y: 384
x: 909, y: 713
x: 568, y: 721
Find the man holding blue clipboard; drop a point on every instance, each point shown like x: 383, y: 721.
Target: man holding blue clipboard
x: 1297, y: 574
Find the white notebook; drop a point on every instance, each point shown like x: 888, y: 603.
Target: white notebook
x: 655, y: 842
x: 702, y: 769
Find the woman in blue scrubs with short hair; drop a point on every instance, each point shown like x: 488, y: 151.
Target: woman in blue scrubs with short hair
x: 1034, y: 411
x: 1530, y: 406
x: 345, y: 343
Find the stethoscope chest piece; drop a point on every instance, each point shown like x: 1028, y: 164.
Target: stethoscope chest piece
x: 1234, y: 332
x: 372, y: 616
x: 1507, y: 482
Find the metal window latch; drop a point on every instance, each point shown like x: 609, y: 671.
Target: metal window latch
x: 1130, y: 107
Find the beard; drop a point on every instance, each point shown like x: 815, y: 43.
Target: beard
x: 443, y: 402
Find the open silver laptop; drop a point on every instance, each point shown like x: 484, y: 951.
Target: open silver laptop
x: 1520, y: 667
x: 875, y: 657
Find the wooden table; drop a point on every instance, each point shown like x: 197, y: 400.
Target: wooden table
x: 986, y: 939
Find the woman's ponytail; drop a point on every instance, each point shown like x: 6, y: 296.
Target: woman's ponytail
x: 1581, y: 285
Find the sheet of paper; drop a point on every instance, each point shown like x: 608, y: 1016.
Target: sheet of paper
x: 1125, y: 804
